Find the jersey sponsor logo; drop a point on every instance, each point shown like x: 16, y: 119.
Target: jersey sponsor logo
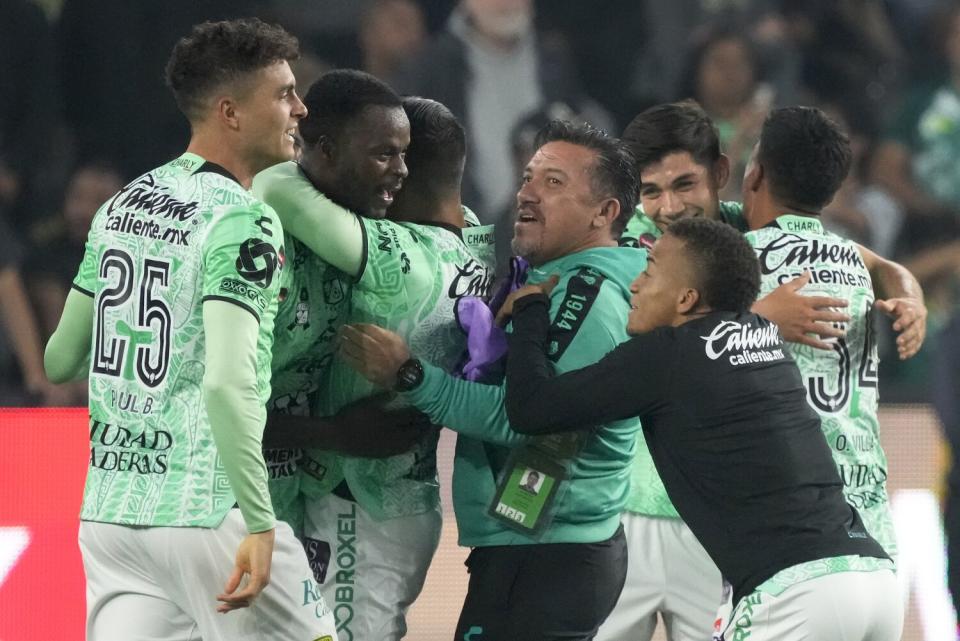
x: 800, y: 251
x: 238, y: 288
x: 281, y: 463
x: 145, y: 196
x: 114, y: 448
x: 346, y: 563
x: 257, y: 262
x: 744, y: 342
x: 334, y: 291
x: 128, y: 223
x: 472, y: 279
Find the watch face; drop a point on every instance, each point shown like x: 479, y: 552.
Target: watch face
x: 409, y: 375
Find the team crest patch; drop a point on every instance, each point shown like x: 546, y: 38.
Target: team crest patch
x: 325, y: 637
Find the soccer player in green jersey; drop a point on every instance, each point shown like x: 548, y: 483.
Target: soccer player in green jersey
x: 407, y: 272
x: 567, y: 532
x: 681, y: 171
x: 172, y: 314
x: 800, y: 162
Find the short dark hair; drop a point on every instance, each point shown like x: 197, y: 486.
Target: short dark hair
x: 612, y: 175
x: 671, y: 128
x: 805, y: 156
x: 726, y: 266
x: 217, y: 53
x: 339, y: 96
x: 438, y: 146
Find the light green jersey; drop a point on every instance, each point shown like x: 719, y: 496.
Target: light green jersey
x: 313, y: 304
x: 647, y: 494
x: 412, y: 278
x: 841, y: 383
x: 177, y: 236
x: 642, y: 232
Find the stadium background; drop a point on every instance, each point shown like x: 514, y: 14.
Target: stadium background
x: 83, y: 109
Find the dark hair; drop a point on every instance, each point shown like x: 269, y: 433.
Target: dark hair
x: 339, y: 96
x: 703, y: 43
x: 438, y: 146
x: 727, y: 269
x: 671, y: 128
x: 217, y: 53
x: 612, y: 175
x: 805, y: 156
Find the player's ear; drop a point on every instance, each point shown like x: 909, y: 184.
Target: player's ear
x: 687, y: 301
x: 609, y: 210
x: 327, y: 146
x: 754, y: 177
x: 721, y: 171
x: 227, y: 112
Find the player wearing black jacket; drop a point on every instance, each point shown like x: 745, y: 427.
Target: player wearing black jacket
x: 740, y: 452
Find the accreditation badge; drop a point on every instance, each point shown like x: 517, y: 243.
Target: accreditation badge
x: 527, y: 490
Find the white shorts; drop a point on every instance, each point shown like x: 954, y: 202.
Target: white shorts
x: 669, y: 572
x: 370, y: 571
x: 846, y: 606
x: 161, y: 584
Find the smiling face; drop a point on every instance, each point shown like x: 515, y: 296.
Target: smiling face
x: 660, y: 291
x: 558, y: 212
x: 269, y: 110
x: 368, y: 160
x: 679, y: 187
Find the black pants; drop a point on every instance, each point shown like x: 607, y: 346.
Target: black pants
x: 542, y: 592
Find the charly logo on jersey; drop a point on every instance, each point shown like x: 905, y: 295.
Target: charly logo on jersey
x: 744, y: 343
x: 257, y: 262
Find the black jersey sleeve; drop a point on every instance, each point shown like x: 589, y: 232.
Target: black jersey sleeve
x: 628, y: 381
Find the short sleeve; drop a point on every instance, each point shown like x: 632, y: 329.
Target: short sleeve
x: 242, y: 258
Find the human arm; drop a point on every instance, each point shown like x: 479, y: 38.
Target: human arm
x: 67, y: 355
x: 333, y: 233
x: 364, y: 428
x: 236, y: 422
x: 902, y: 301
x: 22, y: 327
x: 803, y: 319
x: 472, y: 409
x: 626, y: 382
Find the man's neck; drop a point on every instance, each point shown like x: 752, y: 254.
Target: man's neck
x: 214, y: 150
x: 444, y: 211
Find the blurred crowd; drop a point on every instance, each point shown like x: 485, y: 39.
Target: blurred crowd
x: 83, y: 110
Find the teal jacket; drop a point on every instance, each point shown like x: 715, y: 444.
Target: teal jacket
x: 589, y: 503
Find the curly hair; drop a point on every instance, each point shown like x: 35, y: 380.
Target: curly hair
x: 218, y: 53
x: 727, y: 269
x: 612, y: 175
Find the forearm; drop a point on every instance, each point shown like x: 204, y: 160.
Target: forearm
x: 538, y: 402
x: 233, y: 405
x: 68, y: 350
x: 472, y: 409
x: 285, y: 430
x: 891, y: 280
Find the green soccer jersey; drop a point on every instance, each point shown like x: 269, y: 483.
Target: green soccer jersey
x: 412, y: 277
x: 841, y: 383
x: 647, y: 494
x: 313, y: 303
x: 642, y: 232
x: 177, y: 236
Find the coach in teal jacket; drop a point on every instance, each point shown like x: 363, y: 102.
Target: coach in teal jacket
x: 574, y: 190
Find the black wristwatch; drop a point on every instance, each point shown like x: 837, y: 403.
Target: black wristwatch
x: 409, y: 376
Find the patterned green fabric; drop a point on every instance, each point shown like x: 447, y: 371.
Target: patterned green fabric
x: 841, y: 383
x: 178, y: 235
x: 413, y: 276
x: 787, y: 577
